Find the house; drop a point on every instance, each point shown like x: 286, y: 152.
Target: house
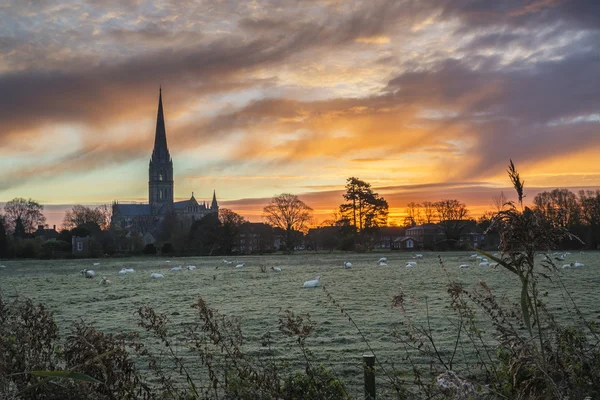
x: 428, y: 236
x: 386, y: 235
x: 256, y: 237
x: 45, y: 233
x: 405, y: 243
x: 81, y: 246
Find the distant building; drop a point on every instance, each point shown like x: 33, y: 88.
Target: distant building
x: 386, y: 235
x: 427, y: 235
x: 80, y: 246
x: 45, y: 233
x: 405, y: 243
x: 146, y: 218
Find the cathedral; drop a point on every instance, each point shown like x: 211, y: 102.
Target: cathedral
x: 146, y: 218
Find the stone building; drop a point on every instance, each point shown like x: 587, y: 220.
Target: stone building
x: 146, y: 218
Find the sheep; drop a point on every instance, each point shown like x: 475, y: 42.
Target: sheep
x: 178, y: 268
x: 191, y: 267
x: 382, y: 259
x: 88, y: 273
x: 276, y: 269
x: 156, y: 276
x: 105, y: 281
x: 347, y: 265
x: 418, y: 256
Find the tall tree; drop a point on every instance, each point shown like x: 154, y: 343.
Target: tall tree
x: 80, y: 215
x: 231, y: 224
x: 452, y: 215
x: 364, y: 209
x: 28, y: 211
x: 289, y: 213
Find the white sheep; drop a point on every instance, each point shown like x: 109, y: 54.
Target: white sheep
x: 347, y: 265
x: 314, y: 283
x: 88, y: 273
x: 276, y: 269
x: 156, y: 276
x: 382, y: 259
x: 191, y: 267
x: 240, y: 265
x: 105, y: 281
x: 419, y: 256
x: 178, y: 268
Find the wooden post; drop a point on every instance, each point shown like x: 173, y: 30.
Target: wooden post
x: 369, y: 369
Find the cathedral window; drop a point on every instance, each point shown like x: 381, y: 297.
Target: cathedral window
x: 160, y: 194
x: 160, y: 176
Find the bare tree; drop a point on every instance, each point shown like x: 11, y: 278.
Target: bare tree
x: 289, y: 213
x: 413, y: 214
x: 29, y: 211
x: 80, y: 215
x: 429, y: 212
x: 453, y: 218
x: 499, y: 202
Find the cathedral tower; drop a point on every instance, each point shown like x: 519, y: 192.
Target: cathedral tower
x: 160, y: 172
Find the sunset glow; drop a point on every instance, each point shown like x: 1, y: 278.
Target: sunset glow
x: 424, y: 100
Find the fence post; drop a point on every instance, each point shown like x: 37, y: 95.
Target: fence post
x: 369, y: 369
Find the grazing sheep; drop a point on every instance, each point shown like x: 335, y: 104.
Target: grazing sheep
x: 577, y: 264
x: 347, y: 265
x: 420, y: 256
x: 191, y: 267
x: 484, y: 264
x: 88, y: 273
x: 95, y: 264
x: 313, y: 283
x: 105, y: 281
x: 410, y: 265
x: 178, y: 268
x: 123, y: 272
x: 156, y: 276
x: 240, y: 265
x: 276, y: 269
x: 382, y: 259
x: 463, y: 266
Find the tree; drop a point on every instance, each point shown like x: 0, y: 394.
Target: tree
x: 559, y: 206
x: 3, y: 238
x: 80, y: 215
x: 429, y: 212
x: 364, y: 208
x: 413, y: 214
x: 590, y: 214
x: 205, y: 235
x: 499, y: 202
x: 19, y: 229
x: 289, y: 213
x: 28, y: 211
x: 452, y: 215
x: 231, y: 224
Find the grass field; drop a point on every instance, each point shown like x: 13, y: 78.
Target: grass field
x: 256, y: 298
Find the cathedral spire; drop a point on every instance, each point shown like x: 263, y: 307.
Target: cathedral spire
x: 160, y: 138
x: 214, y: 204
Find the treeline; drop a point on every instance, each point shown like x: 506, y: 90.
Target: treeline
x: 355, y: 226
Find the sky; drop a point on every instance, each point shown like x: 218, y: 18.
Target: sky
x: 424, y: 99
